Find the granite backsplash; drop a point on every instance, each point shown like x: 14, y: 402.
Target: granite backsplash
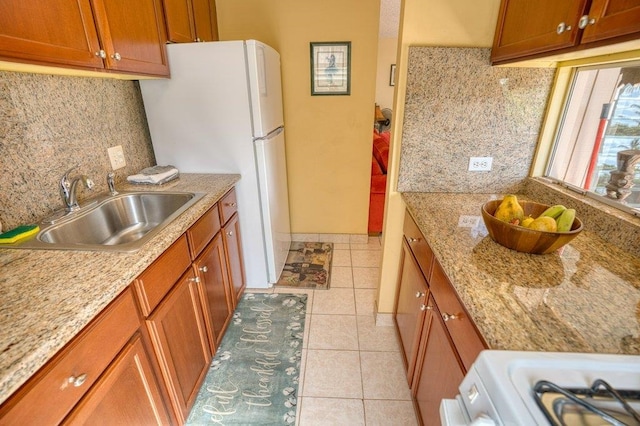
x: 50, y: 123
x: 458, y: 106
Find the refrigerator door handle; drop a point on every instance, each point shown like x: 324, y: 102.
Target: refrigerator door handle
x: 272, y: 134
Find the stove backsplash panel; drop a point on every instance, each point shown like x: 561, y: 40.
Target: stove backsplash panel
x: 458, y: 106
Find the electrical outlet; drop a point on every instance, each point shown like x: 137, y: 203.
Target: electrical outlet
x: 480, y: 164
x: 468, y: 221
x: 116, y: 156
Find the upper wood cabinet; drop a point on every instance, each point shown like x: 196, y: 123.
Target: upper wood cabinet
x: 115, y: 35
x: 190, y: 20
x: 527, y: 29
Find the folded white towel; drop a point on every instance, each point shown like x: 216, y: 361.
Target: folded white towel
x: 156, y: 175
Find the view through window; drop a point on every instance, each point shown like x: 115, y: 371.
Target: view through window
x: 597, y: 148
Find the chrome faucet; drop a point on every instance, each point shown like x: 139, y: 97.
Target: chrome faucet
x: 111, y: 183
x: 68, y: 189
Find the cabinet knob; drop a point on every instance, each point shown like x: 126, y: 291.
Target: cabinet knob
x: 197, y: 40
x: 419, y: 294
x: 232, y: 204
x: 584, y: 21
x: 77, y: 381
x: 413, y: 240
x: 230, y: 233
x: 101, y: 53
x: 116, y: 56
x: 203, y: 268
x: 426, y: 307
x: 448, y: 317
x: 195, y: 279
x: 562, y: 27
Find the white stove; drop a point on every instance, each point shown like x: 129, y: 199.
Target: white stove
x: 499, y: 389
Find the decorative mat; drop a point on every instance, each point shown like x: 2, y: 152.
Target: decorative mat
x: 308, y: 265
x: 253, y: 379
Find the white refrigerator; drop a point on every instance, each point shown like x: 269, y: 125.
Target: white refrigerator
x: 221, y: 112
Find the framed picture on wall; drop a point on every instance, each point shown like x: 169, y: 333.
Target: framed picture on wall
x: 392, y: 75
x: 331, y: 68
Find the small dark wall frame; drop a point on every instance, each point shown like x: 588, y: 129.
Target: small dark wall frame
x: 330, y: 68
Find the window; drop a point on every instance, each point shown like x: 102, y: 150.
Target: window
x: 597, y: 148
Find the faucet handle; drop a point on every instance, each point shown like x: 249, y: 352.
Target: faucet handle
x: 111, y: 183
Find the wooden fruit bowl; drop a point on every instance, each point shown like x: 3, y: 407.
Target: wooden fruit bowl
x: 523, y: 239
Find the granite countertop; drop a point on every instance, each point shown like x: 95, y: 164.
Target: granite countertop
x: 583, y: 298
x: 48, y: 296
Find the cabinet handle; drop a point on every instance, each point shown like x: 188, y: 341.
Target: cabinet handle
x: 562, y: 27
x: 101, y: 53
x: 231, y: 204
x: 78, y: 381
x: 204, y: 269
x: 426, y: 307
x: 230, y: 233
x: 413, y: 240
x: 584, y: 21
x: 197, y: 40
x: 447, y: 317
x: 116, y: 56
x: 195, y: 279
x: 419, y: 294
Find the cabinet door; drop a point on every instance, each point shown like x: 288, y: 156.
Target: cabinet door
x: 528, y: 27
x: 133, y: 35
x: 126, y: 394
x: 180, y: 342
x: 179, y: 17
x: 215, y: 290
x: 235, y: 265
x: 410, y: 313
x: 60, y: 32
x: 439, y: 372
x: 205, y: 20
x: 612, y: 18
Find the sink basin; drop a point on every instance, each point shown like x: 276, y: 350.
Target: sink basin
x: 123, y: 222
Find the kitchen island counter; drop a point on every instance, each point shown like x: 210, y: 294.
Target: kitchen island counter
x: 583, y: 298
x: 49, y: 296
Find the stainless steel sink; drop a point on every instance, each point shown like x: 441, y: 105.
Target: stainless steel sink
x: 123, y: 222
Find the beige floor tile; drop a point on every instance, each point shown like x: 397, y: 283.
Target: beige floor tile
x: 371, y: 243
x: 372, y: 337
x: 303, y: 369
x: 333, y: 332
x: 339, y: 301
x: 365, y: 301
x: 383, y: 376
x: 304, y: 237
x: 366, y: 277
x: 333, y: 374
x: 378, y: 412
x: 366, y: 258
x: 341, y: 276
x: 341, y: 246
x: 358, y: 238
x: 341, y: 258
x: 331, y: 412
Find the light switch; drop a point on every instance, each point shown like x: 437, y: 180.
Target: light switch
x: 116, y: 156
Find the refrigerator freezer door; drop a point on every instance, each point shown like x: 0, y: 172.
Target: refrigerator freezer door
x: 274, y: 200
x: 265, y: 85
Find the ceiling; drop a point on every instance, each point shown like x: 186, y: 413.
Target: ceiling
x: 389, y: 18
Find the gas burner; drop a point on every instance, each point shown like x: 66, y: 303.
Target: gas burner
x: 587, y: 406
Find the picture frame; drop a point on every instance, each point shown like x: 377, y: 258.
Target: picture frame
x: 330, y: 68
x: 392, y: 75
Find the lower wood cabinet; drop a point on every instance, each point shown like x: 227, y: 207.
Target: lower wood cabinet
x: 180, y: 341
x: 439, y: 340
x: 235, y: 265
x: 127, y: 393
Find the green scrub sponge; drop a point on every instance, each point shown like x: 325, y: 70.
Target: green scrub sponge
x: 19, y: 233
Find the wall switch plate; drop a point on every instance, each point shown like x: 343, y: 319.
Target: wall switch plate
x: 480, y: 164
x: 116, y: 156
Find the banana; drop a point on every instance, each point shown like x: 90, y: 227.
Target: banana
x: 565, y: 221
x: 554, y: 211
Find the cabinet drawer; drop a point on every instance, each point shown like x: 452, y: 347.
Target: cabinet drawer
x: 52, y: 392
x: 228, y: 206
x: 463, y: 331
x: 156, y: 281
x: 203, y: 231
x: 419, y: 246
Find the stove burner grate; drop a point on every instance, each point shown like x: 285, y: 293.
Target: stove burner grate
x: 586, y: 402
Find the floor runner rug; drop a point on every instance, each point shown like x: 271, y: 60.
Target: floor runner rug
x: 254, y: 376
x: 308, y: 265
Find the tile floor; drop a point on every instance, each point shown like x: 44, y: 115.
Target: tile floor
x: 352, y: 372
